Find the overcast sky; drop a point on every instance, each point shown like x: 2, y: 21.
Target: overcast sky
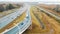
x: 33, y: 0
x: 40, y: 1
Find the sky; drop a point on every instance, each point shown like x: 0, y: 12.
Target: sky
x: 40, y: 1
x: 33, y: 0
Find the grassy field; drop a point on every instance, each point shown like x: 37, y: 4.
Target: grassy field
x: 48, y: 26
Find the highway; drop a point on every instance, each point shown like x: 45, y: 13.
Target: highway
x: 21, y: 14
x: 19, y: 21
x: 22, y: 26
x: 9, y: 18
